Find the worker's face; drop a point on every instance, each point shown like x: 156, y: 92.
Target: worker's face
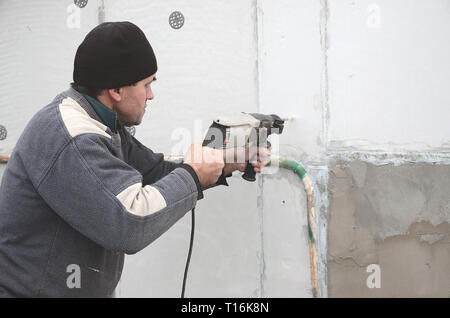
x: 131, y: 108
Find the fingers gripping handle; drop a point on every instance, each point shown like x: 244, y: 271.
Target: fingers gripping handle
x: 249, y: 173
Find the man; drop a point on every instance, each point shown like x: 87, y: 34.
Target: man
x: 79, y: 191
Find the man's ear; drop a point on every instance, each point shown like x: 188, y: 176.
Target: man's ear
x: 116, y: 94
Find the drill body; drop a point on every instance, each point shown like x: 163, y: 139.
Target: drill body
x: 247, y: 130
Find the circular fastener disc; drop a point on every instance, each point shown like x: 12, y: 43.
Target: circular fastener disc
x: 80, y: 3
x: 131, y: 130
x: 3, y: 133
x: 176, y: 20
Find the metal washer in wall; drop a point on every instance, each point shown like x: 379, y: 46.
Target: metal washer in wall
x: 80, y: 3
x: 3, y: 132
x: 176, y: 20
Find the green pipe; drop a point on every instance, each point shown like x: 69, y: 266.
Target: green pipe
x: 301, y: 172
x: 294, y: 166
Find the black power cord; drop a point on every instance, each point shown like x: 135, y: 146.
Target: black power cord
x: 190, y: 252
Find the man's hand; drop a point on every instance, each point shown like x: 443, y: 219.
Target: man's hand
x: 236, y: 158
x: 261, y: 159
x: 206, y: 162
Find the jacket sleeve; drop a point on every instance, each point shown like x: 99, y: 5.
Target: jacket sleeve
x: 105, y: 199
x: 152, y: 165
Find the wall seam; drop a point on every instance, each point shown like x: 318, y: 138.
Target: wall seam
x: 321, y: 219
x: 259, y: 200
x: 101, y: 11
x: 394, y: 158
x: 324, y: 43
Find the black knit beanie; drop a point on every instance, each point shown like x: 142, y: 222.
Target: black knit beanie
x: 112, y: 55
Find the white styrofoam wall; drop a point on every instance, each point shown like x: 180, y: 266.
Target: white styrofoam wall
x: 389, y: 73
x: 205, y: 69
x: 37, y: 49
x: 291, y: 66
x: 290, y: 72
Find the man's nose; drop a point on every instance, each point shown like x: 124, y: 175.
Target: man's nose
x: 150, y: 95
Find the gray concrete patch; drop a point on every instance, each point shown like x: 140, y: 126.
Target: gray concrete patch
x: 396, y: 217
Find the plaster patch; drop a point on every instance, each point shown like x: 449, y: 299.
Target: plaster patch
x: 359, y: 171
x: 399, y: 219
x: 379, y: 192
x: 431, y: 238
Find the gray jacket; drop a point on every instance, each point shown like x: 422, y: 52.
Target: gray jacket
x: 75, y: 193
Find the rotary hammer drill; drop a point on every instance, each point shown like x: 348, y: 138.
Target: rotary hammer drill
x: 243, y: 130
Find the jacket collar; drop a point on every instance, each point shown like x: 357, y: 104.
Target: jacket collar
x: 108, y: 117
x: 88, y: 107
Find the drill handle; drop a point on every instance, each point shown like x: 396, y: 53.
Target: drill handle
x: 249, y: 173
